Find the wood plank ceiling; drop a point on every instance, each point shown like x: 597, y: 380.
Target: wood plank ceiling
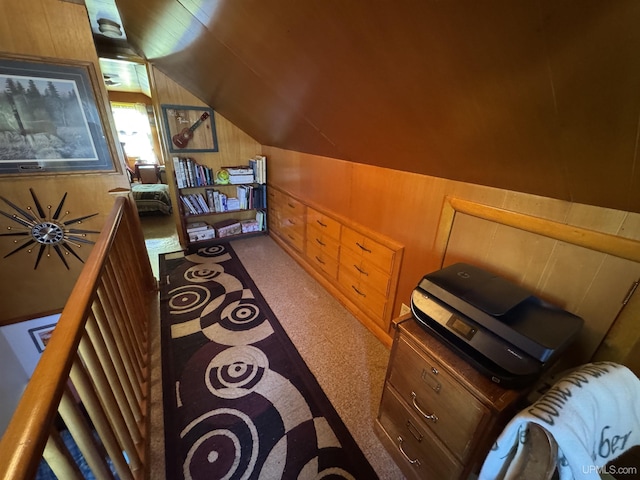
x: 536, y: 96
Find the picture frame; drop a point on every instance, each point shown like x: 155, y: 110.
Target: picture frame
x: 50, y: 119
x: 189, y: 129
x: 41, y: 335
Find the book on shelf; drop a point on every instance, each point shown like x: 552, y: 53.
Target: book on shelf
x: 239, y: 179
x: 194, y: 203
x: 242, y: 192
x: 178, y: 173
x: 260, y: 217
x: 208, y: 194
x: 233, y: 203
x: 239, y: 170
x: 258, y: 195
x: 188, y: 206
x: 204, y: 208
x: 259, y: 166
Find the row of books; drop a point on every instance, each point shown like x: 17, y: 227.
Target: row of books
x: 259, y: 166
x: 189, y: 173
x: 252, y: 196
x: 215, y: 201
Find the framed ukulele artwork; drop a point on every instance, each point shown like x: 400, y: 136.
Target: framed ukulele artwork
x: 190, y: 129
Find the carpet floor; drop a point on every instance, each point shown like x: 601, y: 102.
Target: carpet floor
x: 239, y: 400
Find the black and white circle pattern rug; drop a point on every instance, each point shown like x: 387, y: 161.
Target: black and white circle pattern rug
x: 240, y: 403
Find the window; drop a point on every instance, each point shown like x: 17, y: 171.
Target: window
x: 132, y: 123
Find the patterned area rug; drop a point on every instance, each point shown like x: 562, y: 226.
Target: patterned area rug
x: 239, y: 400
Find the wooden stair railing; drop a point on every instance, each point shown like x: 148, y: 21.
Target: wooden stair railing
x: 94, y: 369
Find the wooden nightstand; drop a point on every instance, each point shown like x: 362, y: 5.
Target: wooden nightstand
x: 438, y: 416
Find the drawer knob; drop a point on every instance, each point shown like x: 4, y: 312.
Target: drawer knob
x: 320, y: 242
x: 427, y: 416
x: 321, y: 224
x: 415, y: 462
x: 319, y: 260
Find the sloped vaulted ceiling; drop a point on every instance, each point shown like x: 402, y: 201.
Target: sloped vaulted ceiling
x: 537, y: 96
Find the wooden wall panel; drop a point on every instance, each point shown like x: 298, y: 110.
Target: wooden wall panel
x: 537, y: 96
x: 57, y: 30
x: 407, y: 207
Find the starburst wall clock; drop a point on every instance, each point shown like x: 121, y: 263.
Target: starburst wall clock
x: 45, y: 231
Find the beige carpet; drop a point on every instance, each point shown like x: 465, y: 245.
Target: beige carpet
x: 348, y: 361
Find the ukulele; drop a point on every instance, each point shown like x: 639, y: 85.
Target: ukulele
x: 181, y: 140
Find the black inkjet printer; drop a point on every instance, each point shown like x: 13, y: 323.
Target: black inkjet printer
x: 502, y: 329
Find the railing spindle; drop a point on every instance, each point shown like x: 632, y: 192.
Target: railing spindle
x: 81, y: 434
x: 123, y: 422
x: 91, y: 402
x: 121, y: 385
x: 59, y: 459
x: 113, y: 337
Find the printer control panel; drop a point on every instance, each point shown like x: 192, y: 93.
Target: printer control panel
x: 461, y: 327
x: 443, y: 316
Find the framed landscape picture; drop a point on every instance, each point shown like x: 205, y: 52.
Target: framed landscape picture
x: 190, y: 129
x: 50, y: 120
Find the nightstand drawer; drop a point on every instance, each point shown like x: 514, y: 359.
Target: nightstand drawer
x: 323, y: 223
x: 416, y: 447
x: 444, y: 405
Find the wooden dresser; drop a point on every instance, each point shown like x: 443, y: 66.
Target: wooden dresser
x: 438, y: 416
x: 356, y: 265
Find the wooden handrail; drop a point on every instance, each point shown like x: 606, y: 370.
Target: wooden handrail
x: 24, y: 441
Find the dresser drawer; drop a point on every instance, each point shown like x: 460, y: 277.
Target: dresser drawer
x: 273, y: 196
x: 417, y: 449
x: 291, y: 206
x: 292, y: 231
x: 444, y: 405
x: 321, y: 260
x: 366, y: 272
x: 363, y: 295
x: 273, y: 218
x: 370, y: 250
x: 323, y: 223
x: 323, y: 241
